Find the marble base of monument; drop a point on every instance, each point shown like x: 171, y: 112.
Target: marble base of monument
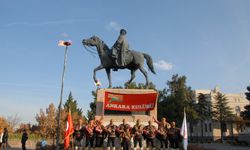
x: 118, y: 116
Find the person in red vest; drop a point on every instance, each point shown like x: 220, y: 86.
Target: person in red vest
x: 137, y: 132
x: 111, y: 131
x: 89, y: 132
x: 161, y: 135
x: 78, y: 135
x: 126, y: 138
x: 149, y: 132
x: 122, y: 127
x: 99, y: 133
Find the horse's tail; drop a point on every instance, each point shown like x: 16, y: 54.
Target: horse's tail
x: 149, y: 62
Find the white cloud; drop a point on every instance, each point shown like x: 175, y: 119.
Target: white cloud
x: 44, y: 23
x: 113, y: 26
x: 65, y: 35
x: 163, y: 65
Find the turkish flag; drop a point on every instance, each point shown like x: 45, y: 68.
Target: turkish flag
x: 69, y: 130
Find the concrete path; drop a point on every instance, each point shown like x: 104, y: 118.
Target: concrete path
x: 218, y: 146
x: 212, y: 146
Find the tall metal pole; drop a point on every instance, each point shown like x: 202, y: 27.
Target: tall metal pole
x: 60, y: 103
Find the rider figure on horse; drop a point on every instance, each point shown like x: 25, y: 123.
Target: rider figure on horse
x: 120, y: 49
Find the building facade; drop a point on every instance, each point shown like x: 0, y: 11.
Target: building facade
x: 211, y: 128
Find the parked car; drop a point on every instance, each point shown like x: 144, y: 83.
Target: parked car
x: 244, y: 137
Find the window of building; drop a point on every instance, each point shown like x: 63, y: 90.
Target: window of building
x: 205, y: 127
x: 237, y: 110
x: 191, y: 129
x: 210, y: 127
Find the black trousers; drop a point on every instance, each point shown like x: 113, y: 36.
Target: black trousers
x: 174, y: 142
x: 150, y: 141
x: 24, y: 146
x: 126, y: 144
x: 78, y: 142
x: 138, y: 140
x: 89, y: 140
x: 111, y: 141
x: 164, y: 142
x: 99, y: 141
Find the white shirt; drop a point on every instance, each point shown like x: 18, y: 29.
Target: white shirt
x: 1, y: 137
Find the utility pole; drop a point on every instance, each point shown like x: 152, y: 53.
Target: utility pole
x: 66, y: 44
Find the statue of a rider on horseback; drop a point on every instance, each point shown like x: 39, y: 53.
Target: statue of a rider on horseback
x: 119, y: 57
x: 120, y: 49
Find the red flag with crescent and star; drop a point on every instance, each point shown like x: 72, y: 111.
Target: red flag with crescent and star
x: 69, y: 130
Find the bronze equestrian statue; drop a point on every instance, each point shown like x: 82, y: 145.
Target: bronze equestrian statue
x: 127, y: 59
x: 120, y: 49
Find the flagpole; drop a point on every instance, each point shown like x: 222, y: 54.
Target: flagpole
x: 184, y: 131
x: 60, y: 103
x: 72, y: 138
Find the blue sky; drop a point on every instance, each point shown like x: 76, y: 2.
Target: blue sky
x: 207, y: 41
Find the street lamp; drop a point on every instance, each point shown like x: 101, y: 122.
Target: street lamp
x: 66, y: 44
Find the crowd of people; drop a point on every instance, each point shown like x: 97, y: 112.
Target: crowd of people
x: 95, y: 133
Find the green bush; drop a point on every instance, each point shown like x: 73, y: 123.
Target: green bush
x: 16, y: 136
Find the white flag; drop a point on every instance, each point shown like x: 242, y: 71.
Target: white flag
x: 64, y: 43
x: 184, y: 132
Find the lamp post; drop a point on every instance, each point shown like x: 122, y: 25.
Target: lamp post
x: 66, y: 45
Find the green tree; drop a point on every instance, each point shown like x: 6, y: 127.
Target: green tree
x: 221, y: 111
x: 246, y: 113
x: 71, y: 104
x: 203, y: 110
x: 173, y: 99
x: 134, y: 85
x: 92, y: 112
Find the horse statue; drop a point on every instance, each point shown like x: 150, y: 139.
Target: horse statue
x: 134, y: 60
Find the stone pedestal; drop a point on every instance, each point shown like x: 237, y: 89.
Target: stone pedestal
x: 130, y: 118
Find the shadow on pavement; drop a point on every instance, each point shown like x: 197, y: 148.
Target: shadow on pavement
x: 15, y: 148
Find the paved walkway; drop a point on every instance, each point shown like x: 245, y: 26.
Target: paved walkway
x: 212, y: 146
x: 218, y: 146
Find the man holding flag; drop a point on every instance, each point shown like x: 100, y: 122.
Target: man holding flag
x: 69, y: 130
x: 184, y: 131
